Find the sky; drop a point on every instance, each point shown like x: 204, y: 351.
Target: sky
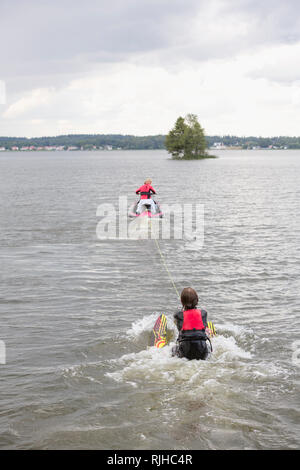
x: 134, y: 66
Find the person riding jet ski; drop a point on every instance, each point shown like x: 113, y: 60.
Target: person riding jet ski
x: 145, y: 192
x: 191, y: 323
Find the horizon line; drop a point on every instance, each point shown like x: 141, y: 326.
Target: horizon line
x: 144, y: 135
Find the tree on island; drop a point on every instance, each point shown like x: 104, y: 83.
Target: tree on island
x: 186, y: 141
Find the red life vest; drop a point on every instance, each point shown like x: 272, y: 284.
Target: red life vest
x: 192, y: 319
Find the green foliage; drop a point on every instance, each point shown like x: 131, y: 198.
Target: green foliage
x: 187, y: 140
x: 175, y: 140
x: 87, y: 142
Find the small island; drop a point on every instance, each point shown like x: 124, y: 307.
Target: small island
x: 186, y: 141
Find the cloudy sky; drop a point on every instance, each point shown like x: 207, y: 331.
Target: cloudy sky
x: 134, y: 66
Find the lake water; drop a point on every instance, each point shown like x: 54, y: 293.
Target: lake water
x: 76, y: 311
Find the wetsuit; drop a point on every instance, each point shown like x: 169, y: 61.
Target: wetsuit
x: 191, y: 341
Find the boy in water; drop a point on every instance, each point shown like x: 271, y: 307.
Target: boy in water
x: 191, y: 323
x: 145, y: 192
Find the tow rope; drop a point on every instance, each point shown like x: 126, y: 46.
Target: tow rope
x: 166, y: 267
x: 164, y: 263
x: 210, y: 325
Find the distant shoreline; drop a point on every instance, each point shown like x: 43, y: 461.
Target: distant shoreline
x: 136, y: 150
x: 107, y: 142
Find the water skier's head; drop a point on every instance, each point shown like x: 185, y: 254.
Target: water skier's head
x: 189, y: 298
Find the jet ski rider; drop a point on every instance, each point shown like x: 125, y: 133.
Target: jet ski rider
x: 191, y: 323
x: 145, y: 192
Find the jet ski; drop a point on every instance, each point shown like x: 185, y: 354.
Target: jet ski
x: 146, y: 210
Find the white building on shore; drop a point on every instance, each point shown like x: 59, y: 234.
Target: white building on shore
x: 72, y: 147
x: 219, y: 146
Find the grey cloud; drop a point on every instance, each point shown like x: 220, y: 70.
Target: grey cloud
x: 60, y: 36
x: 267, y: 23
x: 285, y: 72
x: 273, y: 21
x: 46, y: 42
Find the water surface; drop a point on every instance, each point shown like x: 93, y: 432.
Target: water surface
x: 76, y: 311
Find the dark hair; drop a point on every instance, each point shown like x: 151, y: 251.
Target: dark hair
x: 189, y: 298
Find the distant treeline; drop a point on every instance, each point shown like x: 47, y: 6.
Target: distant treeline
x: 130, y: 142
x: 250, y: 142
x: 124, y: 142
